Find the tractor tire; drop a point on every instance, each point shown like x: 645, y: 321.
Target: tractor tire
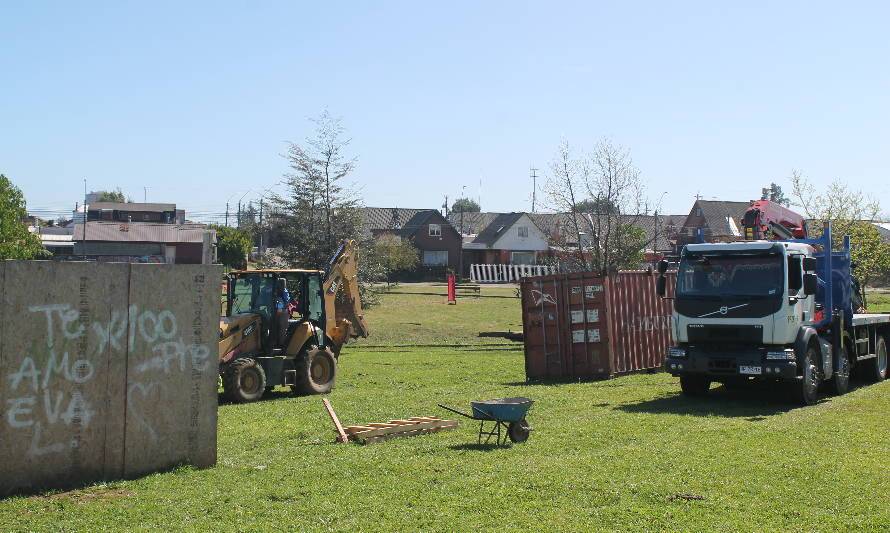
x: 694, y: 385
x: 244, y: 380
x: 840, y: 380
x: 806, y: 391
x: 316, y: 371
x: 876, y: 369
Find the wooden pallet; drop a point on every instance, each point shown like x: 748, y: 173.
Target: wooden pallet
x: 416, y: 425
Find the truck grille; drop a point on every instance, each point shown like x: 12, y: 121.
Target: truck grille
x: 711, y: 334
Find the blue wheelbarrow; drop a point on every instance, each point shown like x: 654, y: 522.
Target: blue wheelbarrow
x: 506, y: 413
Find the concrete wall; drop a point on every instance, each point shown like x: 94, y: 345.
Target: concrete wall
x: 107, y: 370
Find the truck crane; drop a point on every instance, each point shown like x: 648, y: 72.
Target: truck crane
x: 768, y: 220
x: 777, y: 311
x: 265, y: 341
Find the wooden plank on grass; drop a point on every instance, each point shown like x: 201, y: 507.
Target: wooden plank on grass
x: 402, y: 430
x: 341, y: 435
x: 410, y: 431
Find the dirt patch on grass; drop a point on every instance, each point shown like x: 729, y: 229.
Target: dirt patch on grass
x: 91, y: 495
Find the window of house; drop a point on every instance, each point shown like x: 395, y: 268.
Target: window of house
x: 523, y: 231
x: 522, y: 258
x: 698, y: 211
x: 435, y: 257
x: 435, y: 230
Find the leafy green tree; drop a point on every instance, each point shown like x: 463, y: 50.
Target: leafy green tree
x: 232, y: 246
x: 629, y: 246
x: 774, y: 194
x: 868, y: 251
x: 116, y: 195
x: 16, y: 242
x: 600, y: 206
x: 393, y: 255
x: 465, y: 205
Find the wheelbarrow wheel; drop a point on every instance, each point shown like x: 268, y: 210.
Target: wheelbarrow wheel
x: 518, y: 431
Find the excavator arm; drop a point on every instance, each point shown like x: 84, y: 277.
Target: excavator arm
x: 345, y: 319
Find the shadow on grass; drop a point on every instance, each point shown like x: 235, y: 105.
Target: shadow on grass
x: 268, y: 396
x: 459, y: 297
x: 753, y: 403
x: 476, y: 447
x: 509, y: 335
x: 548, y: 383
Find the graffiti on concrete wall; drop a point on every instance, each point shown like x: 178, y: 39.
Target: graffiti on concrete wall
x: 48, y: 387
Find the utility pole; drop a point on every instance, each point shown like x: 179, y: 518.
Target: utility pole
x: 85, y: 213
x: 460, y: 255
x: 227, y: 214
x: 239, y: 206
x: 145, y: 194
x: 260, y: 247
x: 534, y: 175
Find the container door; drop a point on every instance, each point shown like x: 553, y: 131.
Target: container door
x: 542, y: 326
x: 641, y: 321
x: 587, y: 353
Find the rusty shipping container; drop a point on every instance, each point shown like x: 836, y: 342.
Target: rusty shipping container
x: 584, y: 326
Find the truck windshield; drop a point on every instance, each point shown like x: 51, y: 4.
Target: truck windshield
x: 717, y: 276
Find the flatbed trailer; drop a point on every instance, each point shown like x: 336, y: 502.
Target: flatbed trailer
x: 867, y: 329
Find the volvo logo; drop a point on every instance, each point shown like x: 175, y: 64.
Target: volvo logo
x: 722, y: 310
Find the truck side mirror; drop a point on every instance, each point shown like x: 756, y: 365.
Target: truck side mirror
x: 810, y: 284
x: 809, y: 264
x: 662, y: 266
x: 660, y: 283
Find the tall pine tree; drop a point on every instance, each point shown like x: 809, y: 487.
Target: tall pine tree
x: 319, y: 209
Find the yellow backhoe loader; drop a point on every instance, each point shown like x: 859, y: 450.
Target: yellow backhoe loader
x: 286, y: 327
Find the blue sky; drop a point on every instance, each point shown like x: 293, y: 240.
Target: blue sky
x: 196, y: 100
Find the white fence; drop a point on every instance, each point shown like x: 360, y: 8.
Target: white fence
x: 507, y: 273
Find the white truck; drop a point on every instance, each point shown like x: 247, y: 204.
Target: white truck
x: 774, y: 311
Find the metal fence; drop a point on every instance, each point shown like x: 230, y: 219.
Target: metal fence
x: 507, y: 273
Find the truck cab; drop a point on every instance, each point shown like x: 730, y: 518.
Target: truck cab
x: 776, y: 311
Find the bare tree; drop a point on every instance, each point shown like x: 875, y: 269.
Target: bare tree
x: 838, y: 204
x: 609, y: 240
x: 564, y: 188
x: 850, y: 213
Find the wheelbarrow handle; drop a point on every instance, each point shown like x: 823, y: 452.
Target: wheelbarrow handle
x: 455, y: 411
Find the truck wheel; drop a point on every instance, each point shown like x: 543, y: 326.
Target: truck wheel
x: 518, y: 431
x: 806, y: 391
x: 694, y: 385
x: 244, y: 380
x: 840, y: 380
x: 876, y: 369
x: 316, y: 371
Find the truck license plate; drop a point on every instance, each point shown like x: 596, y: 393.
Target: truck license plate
x: 752, y: 370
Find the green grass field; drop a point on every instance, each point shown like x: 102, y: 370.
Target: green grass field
x: 624, y: 454
x: 878, y: 302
